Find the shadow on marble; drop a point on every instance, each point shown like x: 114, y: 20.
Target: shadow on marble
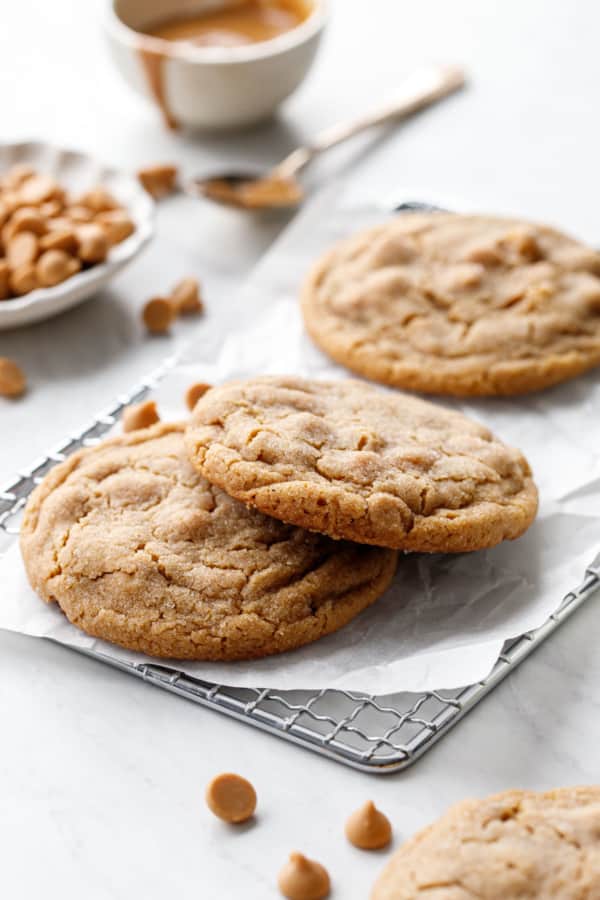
x: 90, y: 337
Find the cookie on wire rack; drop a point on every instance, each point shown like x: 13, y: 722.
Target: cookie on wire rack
x: 454, y: 304
x: 351, y: 461
x: 137, y: 548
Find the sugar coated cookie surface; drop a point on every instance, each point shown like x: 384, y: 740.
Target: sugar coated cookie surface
x: 516, y: 844
x: 137, y: 548
x: 463, y: 305
x: 349, y: 460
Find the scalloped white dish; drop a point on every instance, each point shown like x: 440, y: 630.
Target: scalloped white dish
x: 77, y: 171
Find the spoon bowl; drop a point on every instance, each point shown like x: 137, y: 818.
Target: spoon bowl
x: 249, y: 190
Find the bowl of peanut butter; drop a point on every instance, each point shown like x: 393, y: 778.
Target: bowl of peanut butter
x: 214, y: 64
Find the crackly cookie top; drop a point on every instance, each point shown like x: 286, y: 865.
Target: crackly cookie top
x: 518, y: 844
x: 463, y: 305
x: 137, y: 548
x: 349, y: 460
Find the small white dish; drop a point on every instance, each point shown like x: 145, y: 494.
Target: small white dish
x: 209, y: 87
x: 77, y: 171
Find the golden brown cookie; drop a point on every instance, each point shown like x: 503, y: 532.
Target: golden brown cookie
x: 137, y: 548
x: 515, y: 844
x: 463, y: 305
x: 349, y: 460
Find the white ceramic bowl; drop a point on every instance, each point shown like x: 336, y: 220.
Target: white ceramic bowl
x: 77, y: 171
x: 209, y: 87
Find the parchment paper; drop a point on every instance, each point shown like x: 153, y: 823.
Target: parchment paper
x: 444, y: 620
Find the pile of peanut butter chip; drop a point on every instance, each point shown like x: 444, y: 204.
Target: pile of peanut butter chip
x: 48, y: 235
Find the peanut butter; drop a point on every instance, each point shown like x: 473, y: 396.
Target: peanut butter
x: 238, y: 24
x: 263, y: 193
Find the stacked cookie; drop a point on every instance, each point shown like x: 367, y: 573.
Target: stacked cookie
x: 270, y: 519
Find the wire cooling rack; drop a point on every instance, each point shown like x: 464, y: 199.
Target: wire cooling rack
x: 374, y: 734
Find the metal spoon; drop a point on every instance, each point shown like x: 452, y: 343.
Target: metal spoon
x: 280, y: 188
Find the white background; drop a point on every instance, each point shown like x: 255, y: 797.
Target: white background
x: 101, y: 777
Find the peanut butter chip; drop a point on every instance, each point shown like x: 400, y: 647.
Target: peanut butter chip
x: 39, y: 189
x: 116, y: 224
x: 186, y: 296
x: 231, y: 798
x: 17, y: 174
x: 194, y: 392
x: 22, y: 249
x: 23, y: 280
x: 303, y: 879
x: 158, y: 314
x: 80, y: 214
x: 98, y: 199
x: 12, y: 378
x: 93, y: 243
x: 368, y: 828
x: 55, y: 266
x: 140, y: 415
x: 4, y: 279
x: 59, y: 239
x: 27, y: 218
x: 158, y: 180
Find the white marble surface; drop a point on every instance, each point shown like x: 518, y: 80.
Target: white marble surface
x: 101, y: 777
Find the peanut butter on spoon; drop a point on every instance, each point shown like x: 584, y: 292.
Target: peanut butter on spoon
x: 254, y: 193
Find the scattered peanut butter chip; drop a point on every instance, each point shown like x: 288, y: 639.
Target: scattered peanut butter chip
x: 12, y: 378
x: 194, y: 392
x: 231, y: 798
x: 158, y: 314
x: 303, y: 879
x: 368, y: 828
x: 186, y: 296
x: 159, y: 180
x: 140, y: 415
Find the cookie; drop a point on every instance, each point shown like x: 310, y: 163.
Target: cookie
x: 138, y: 549
x: 351, y: 461
x: 515, y: 844
x: 462, y: 305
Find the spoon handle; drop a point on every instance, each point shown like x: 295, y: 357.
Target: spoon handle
x: 421, y: 88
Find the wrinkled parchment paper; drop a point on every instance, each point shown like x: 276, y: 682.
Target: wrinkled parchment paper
x: 444, y: 620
